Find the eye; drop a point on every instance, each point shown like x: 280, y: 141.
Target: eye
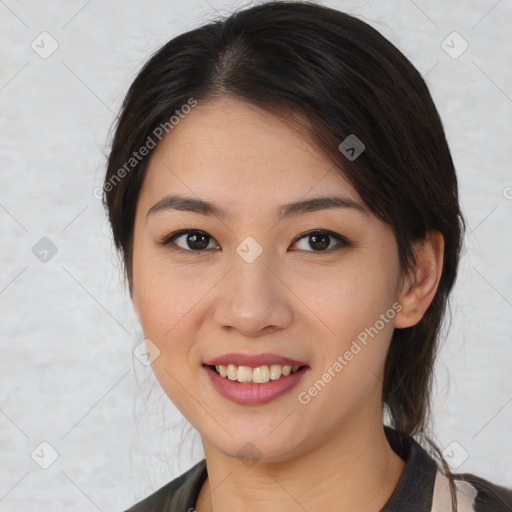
x: 195, y: 240
x: 320, y: 241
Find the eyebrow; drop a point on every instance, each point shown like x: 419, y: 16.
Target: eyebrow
x: 189, y: 204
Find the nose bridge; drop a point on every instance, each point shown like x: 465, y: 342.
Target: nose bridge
x: 253, y: 277
x: 252, y: 298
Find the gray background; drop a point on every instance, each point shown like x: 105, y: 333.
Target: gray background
x: 68, y: 375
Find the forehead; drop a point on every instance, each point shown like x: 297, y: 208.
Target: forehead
x: 243, y: 155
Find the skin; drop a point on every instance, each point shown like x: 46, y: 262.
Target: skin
x: 331, y: 453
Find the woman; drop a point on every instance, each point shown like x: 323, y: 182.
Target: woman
x: 285, y: 202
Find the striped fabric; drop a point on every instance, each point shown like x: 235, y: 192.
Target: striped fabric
x: 421, y: 488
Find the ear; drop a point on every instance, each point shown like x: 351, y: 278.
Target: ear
x: 419, y: 288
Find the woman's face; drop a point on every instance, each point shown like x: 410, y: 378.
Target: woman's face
x: 253, y: 282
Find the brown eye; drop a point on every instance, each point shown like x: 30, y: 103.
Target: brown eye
x: 199, y: 241
x: 320, y: 241
x: 193, y: 240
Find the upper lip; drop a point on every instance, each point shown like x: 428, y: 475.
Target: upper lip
x: 253, y: 360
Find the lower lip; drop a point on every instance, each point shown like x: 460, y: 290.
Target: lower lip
x: 248, y: 394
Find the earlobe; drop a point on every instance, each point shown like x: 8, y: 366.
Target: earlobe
x: 419, y: 289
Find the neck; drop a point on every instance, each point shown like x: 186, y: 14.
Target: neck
x: 355, y: 470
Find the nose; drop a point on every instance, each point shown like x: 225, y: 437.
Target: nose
x: 253, y: 298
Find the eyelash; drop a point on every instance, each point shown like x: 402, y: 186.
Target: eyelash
x: 343, y: 242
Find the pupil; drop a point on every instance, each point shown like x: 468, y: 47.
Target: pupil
x: 315, y: 238
x: 193, y: 239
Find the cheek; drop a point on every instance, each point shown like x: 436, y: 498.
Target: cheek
x: 355, y: 305
x: 350, y: 298
x: 164, y: 293
x: 169, y: 305
x: 163, y: 303
x: 170, y: 311
x: 172, y: 300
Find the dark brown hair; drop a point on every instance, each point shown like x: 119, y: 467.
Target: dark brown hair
x: 341, y: 77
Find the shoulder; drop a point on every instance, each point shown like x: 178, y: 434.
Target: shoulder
x: 423, y: 485
x: 488, y: 497
x: 183, y: 490
x: 474, y: 494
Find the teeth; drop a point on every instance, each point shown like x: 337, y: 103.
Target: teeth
x: 231, y: 372
x: 275, y: 371
x: 258, y: 375
x: 244, y: 374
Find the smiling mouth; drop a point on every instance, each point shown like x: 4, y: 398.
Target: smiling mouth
x: 259, y: 375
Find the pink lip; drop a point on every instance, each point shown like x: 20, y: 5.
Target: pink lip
x: 251, y: 394
x: 252, y: 361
